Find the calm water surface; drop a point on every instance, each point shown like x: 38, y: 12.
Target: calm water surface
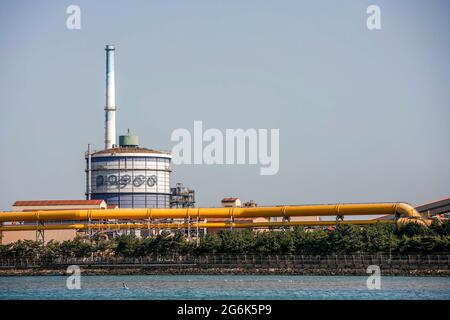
x: 224, y: 287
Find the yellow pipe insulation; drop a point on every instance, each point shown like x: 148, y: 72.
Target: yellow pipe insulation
x: 400, y: 209
x: 405, y: 212
x: 175, y: 225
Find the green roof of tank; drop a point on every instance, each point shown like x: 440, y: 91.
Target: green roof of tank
x: 128, y: 140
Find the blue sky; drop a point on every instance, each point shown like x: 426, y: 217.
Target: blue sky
x: 363, y: 115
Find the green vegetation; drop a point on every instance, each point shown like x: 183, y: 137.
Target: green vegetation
x: 345, y: 239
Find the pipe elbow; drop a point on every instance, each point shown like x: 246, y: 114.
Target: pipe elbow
x: 408, y: 214
x: 408, y: 211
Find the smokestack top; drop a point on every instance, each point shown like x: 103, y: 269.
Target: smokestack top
x: 110, y: 47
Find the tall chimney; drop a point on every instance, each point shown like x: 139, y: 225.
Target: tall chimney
x: 110, y: 108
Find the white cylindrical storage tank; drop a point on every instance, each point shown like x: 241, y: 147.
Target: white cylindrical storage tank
x: 131, y: 177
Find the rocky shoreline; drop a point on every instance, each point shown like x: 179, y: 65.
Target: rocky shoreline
x: 138, y: 270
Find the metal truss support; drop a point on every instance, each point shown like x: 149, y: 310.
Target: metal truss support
x: 198, y: 230
x: 339, y: 218
x: 189, y: 228
x: 89, y: 230
x: 396, y: 217
x: 40, y: 233
x: 285, y: 219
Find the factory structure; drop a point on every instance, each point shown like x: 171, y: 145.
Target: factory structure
x: 121, y: 175
x: 127, y: 176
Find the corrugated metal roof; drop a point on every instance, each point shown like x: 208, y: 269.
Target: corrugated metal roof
x: 56, y: 202
x: 440, y: 202
x: 128, y: 150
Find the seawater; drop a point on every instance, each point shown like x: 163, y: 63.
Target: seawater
x: 224, y: 287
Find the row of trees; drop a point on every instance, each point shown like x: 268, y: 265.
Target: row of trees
x: 344, y: 239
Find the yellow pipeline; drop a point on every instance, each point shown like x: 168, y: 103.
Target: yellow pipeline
x: 401, y: 209
x: 208, y: 225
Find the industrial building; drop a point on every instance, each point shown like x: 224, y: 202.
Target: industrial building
x: 231, y: 202
x: 182, y: 197
x: 126, y: 175
x: 123, y: 175
x: 48, y: 205
x: 439, y: 208
x: 129, y: 176
x: 58, y: 205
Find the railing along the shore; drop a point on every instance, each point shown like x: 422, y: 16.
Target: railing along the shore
x: 356, y: 261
